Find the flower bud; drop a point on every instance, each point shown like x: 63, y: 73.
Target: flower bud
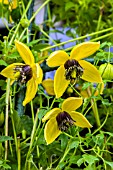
x: 24, y: 23
x: 1, y: 118
x: 106, y: 71
x: 69, y: 90
x: 24, y: 134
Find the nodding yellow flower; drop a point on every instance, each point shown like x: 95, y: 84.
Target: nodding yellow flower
x: 60, y: 119
x: 29, y: 73
x: 73, y: 67
x: 48, y: 84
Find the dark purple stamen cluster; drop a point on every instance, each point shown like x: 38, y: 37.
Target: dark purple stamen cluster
x: 25, y: 73
x: 70, y: 66
x: 64, y: 120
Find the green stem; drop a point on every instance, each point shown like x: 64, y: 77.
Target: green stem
x: 13, y: 124
x: 105, y: 145
x: 101, y: 158
x: 49, y: 13
x: 94, y: 107
x: 32, y: 140
x: 22, y: 34
x: 46, y: 35
x: 102, y: 37
x: 6, y: 117
x: 75, y: 90
x: 32, y: 18
x: 18, y: 152
x: 62, y: 159
x: 79, y: 38
x: 109, y: 55
x: 68, y: 135
x: 98, y: 24
x: 101, y: 125
x: 32, y: 111
x: 92, y: 40
x: 52, y: 103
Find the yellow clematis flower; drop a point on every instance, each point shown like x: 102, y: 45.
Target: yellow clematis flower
x: 60, y: 119
x: 29, y: 73
x: 73, y: 67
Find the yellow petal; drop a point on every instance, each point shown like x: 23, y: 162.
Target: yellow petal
x: 60, y: 83
x: 71, y: 104
x: 84, y: 50
x: 13, y: 3
x: 57, y: 58
x: 80, y: 120
x: 32, y: 87
x: 39, y: 79
x: 25, y: 53
x: 90, y: 73
x: 4, y: 1
x: 48, y: 84
x: 9, y: 70
x: 37, y: 72
x: 101, y: 88
x: 52, y: 113
x: 51, y: 131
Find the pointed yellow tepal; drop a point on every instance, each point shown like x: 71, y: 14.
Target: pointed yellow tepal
x: 25, y: 53
x: 84, y: 50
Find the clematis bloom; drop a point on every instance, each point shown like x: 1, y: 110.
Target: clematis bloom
x: 29, y: 73
x: 60, y: 119
x: 73, y: 67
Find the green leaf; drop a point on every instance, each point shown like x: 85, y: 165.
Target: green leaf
x: 80, y: 161
x: 106, y: 102
x: 5, y: 138
x: 74, y: 144
x: 110, y: 164
x: 3, y: 63
x: 90, y: 159
x: 73, y: 159
x: 69, y: 5
x: 90, y: 167
x: 87, y: 158
x: 99, y: 139
x: 41, y: 113
x: 6, y: 166
x: 64, y: 141
x: 109, y: 133
x: 1, y: 162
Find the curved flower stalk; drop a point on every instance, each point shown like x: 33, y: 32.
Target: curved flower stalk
x: 29, y: 73
x: 60, y: 119
x: 73, y: 67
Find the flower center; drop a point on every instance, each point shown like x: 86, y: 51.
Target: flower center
x: 73, y: 70
x: 23, y: 73
x: 64, y: 120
